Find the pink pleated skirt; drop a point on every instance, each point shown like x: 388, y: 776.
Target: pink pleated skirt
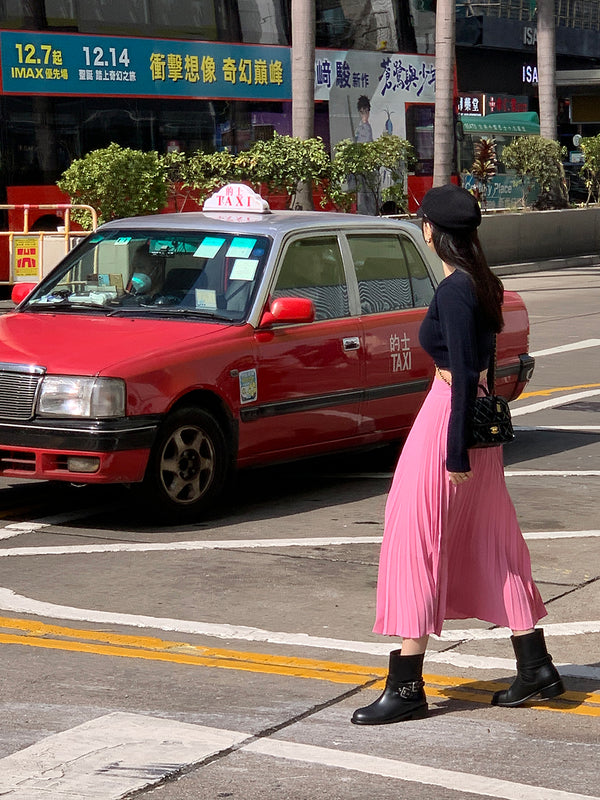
x: 451, y: 552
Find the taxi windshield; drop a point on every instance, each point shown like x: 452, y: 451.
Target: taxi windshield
x: 210, y: 274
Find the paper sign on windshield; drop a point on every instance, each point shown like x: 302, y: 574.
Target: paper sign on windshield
x: 244, y: 269
x: 209, y: 247
x: 240, y: 247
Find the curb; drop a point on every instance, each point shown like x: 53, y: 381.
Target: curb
x: 549, y: 264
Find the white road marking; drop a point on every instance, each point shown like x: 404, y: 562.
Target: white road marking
x: 31, y: 526
x: 508, y: 473
x: 404, y: 771
x: 565, y: 348
x: 551, y: 473
x: 552, y: 402
x: 238, y: 544
x: 19, y: 528
x: 560, y: 535
x: 566, y: 428
x: 222, y: 544
x: 10, y: 601
x: 469, y: 661
x: 109, y: 757
x: 112, y: 756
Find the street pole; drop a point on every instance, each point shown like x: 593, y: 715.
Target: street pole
x: 303, y: 83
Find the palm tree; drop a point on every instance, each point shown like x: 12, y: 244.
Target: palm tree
x: 443, y: 141
x: 303, y: 82
x: 546, y: 62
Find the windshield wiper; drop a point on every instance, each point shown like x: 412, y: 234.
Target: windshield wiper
x: 199, y: 312
x: 63, y: 305
x: 169, y: 311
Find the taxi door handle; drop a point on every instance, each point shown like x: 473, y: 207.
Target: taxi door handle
x: 351, y: 343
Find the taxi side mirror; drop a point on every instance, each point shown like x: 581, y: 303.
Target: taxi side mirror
x: 289, y: 310
x: 20, y: 291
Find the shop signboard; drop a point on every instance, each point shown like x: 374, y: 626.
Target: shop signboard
x: 520, y: 124
x: 503, y: 191
x: 471, y: 103
x: 506, y: 103
x: 369, y: 92
x: 82, y: 64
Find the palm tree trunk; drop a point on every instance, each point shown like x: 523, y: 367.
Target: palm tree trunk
x: 546, y: 61
x: 303, y: 83
x: 443, y: 135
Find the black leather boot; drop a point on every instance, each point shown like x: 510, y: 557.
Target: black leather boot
x: 536, y: 674
x: 403, y: 697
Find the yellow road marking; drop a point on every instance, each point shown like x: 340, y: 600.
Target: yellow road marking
x: 546, y: 392
x: 54, y: 637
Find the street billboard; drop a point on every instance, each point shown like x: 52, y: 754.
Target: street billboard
x: 382, y: 84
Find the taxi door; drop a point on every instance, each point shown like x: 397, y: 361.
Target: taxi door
x: 308, y: 375
x: 395, y: 289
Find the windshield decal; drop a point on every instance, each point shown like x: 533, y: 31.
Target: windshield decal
x: 244, y: 269
x: 240, y: 247
x: 209, y: 247
x: 206, y: 298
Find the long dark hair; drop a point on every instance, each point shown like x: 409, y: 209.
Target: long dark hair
x: 464, y: 252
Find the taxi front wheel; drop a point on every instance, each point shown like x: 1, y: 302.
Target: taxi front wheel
x: 188, y: 466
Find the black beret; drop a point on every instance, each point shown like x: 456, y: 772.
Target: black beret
x: 451, y: 209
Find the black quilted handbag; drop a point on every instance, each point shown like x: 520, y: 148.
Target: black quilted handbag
x: 490, y: 423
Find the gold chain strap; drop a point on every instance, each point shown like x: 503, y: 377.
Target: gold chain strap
x: 438, y: 372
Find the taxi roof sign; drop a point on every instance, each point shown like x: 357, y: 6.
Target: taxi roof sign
x: 236, y: 197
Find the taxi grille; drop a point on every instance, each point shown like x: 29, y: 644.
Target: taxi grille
x: 18, y: 390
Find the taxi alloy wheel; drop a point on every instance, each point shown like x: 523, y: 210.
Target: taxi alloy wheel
x: 190, y: 462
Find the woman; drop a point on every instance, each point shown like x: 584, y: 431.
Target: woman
x: 452, y: 546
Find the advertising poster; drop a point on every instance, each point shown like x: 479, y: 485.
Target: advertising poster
x: 78, y: 64
x: 25, y: 256
x: 369, y: 92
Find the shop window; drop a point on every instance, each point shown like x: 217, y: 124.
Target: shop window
x: 419, y: 131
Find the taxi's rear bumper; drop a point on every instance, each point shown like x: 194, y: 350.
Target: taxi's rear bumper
x: 114, y: 451
x: 516, y: 374
x: 526, y: 367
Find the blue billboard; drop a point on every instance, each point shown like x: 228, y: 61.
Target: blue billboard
x: 85, y: 64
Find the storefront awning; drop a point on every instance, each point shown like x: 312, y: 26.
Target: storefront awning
x: 523, y: 122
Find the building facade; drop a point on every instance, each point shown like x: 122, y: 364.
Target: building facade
x: 213, y: 74
x: 496, y: 57
x: 169, y: 74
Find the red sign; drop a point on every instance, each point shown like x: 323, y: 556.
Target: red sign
x: 505, y: 103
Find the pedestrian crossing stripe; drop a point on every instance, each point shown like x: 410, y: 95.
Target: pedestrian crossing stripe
x: 120, y: 753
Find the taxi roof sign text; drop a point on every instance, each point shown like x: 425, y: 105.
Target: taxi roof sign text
x: 238, y: 197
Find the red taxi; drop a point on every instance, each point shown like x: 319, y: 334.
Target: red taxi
x: 167, y: 350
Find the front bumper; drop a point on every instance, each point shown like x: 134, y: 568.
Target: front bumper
x: 44, y: 449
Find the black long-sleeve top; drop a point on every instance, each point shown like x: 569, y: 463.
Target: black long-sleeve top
x: 457, y: 335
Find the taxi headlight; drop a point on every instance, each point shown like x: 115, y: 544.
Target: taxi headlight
x: 72, y: 396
